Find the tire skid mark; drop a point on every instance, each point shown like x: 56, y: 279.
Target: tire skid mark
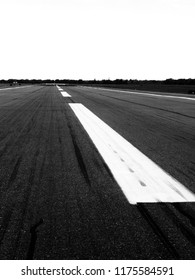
x: 60, y: 138
x: 7, y: 216
x: 150, y: 107
x: 149, y: 219
x: 25, y: 200
x: 10, y: 142
x: 179, y: 170
x: 9, y: 102
x: 14, y: 121
x: 143, y: 105
x: 33, y: 231
x: 79, y: 157
x: 86, y: 226
x: 190, y: 214
x: 42, y: 167
x: 100, y: 195
x: 187, y: 232
x: 24, y: 209
x: 94, y: 147
x: 73, y: 136
x: 71, y: 100
x: 81, y: 161
x: 15, y: 171
x: 51, y: 186
x: 33, y: 168
x: 67, y: 99
x: 78, y: 154
x: 108, y: 170
x: 13, y: 147
x: 24, y: 126
x: 21, y: 107
x: 5, y: 223
x: 33, y: 228
x: 43, y: 162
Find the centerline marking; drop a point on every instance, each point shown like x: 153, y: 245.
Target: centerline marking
x: 140, y: 178
x: 64, y: 93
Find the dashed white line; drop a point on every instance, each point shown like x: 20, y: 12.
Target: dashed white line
x: 65, y: 94
x: 140, y: 178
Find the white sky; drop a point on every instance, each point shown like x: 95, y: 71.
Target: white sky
x: 97, y: 39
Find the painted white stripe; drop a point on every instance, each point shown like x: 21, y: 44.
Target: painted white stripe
x: 65, y: 94
x: 148, y: 94
x: 15, y: 87
x: 140, y: 178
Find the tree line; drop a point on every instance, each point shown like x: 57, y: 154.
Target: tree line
x: 104, y: 81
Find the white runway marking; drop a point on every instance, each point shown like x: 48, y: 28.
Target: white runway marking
x: 15, y: 87
x: 140, y: 178
x: 148, y: 94
x: 65, y: 94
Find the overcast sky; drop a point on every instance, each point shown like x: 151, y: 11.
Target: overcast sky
x: 97, y: 39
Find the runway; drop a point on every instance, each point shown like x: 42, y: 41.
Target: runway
x: 89, y: 173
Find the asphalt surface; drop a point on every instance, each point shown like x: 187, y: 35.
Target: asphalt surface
x: 58, y: 199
